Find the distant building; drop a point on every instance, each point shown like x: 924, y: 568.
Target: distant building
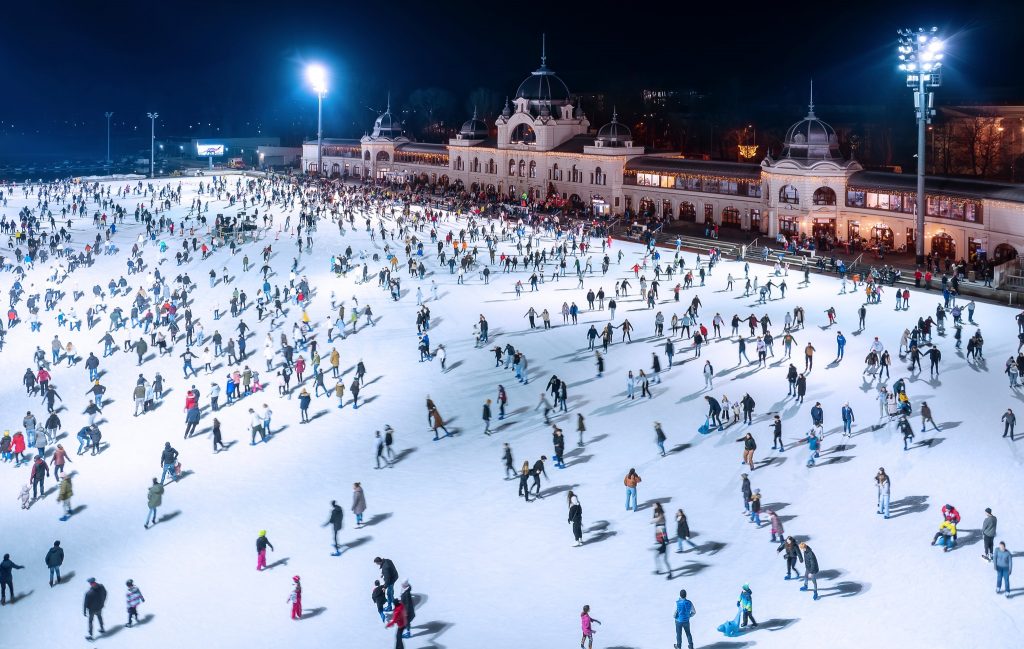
x: 545, y: 148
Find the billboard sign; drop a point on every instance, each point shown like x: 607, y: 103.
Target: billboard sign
x: 205, y: 150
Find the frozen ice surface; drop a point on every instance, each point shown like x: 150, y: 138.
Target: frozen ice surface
x: 490, y: 569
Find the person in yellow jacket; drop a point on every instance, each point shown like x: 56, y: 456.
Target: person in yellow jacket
x: 947, y: 532
x: 335, y: 362
x: 64, y: 497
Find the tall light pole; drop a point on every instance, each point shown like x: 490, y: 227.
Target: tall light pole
x: 152, y: 141
x: 920, y: 56
x: 108, y: 114
x: 317, y: 77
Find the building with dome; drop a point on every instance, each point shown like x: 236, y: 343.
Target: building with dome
x: 542, y: 147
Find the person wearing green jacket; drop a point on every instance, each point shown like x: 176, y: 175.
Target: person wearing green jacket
x: 154, y: 499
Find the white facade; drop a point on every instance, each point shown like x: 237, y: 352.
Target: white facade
x: 543, y: 147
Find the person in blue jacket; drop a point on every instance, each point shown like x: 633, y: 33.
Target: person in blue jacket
x: 684, y: 611
x: 746, y: 604
x: 1003, y: 562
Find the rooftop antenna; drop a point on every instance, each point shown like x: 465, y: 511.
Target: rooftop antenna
x: 543, y: 50
x: 810, y: 106
x: 389, y: 102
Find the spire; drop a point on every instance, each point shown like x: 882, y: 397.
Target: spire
x: 508, y: 110
x: 810, y: 106
x: 615, y: 114
x: 543, y: 50
x: 474, y: 112
x: 389, y: 102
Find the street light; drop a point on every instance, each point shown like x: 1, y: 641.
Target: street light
x: 108, y: 114
x: 317, y: 77
x: 920, y: 56
x: 152, y: 141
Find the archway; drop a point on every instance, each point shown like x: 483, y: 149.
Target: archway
x: 1003, y: 252
x: 687, y: 212
x: 366, y: 155
x: 382, y: 156
x: 944, y: 245
x: 646, y: 207
x: 523, y: 134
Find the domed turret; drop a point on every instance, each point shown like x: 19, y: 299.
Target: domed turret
x: 543, y: 88
x: 386, y: 126
x: 811, y: 139
x: 614, y: 134
x: 473, y: 128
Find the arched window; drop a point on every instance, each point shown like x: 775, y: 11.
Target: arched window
x: 491, y: 167
x: 598, y: 176
x: 475, y: 167
x: 382, y: 156
x: 556, y: 173
x: 522, y: 168
x: 366, y: 155
x: 824, y: 196
x: 511, y: 167
x: 523, y: 134
x: 533, y: 169
x: 458, y: 163
x: 730, y: 217
x: 575, y: 174
x: 789, y: 194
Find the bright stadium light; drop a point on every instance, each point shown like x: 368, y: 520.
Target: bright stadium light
x: 920, y: 55
x: 317, y: 76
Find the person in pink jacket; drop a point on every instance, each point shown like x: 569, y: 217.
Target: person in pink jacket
x: 587, y: 622
x: 777, y: 530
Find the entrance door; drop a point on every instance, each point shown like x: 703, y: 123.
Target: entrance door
x: 824, y: 229
x: 943, y: 246
x: 853, y: 231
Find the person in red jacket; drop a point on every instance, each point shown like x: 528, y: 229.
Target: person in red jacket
x: 18, y: 448
x: 398, y: 620
x: 296, y: 599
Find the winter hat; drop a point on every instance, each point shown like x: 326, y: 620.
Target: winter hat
x: 295, y: 578
x: 263, y: 532
x: 988, y: 510
x: 743, y: 475
x: 405, y: 584
x: 91, y: 580
x: 129, y: 583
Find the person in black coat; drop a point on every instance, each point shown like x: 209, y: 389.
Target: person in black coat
x: 576, y: 518
x: 7, y: 579
x: 714, y: 411
x: 810, y: 568
x: 389, y: 574
x: 792, y: 555
x: 336, y: 521
x: 410, y: 607
x: 54, y: 560
x: 746, y: 491
x: 92, y: 606
x: 748, y: 408
x: 801, y: 388
x: 379, y: 598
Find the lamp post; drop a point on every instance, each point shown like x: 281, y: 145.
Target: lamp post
x: 152, y: 141
x: 108, y: 115
x: 920, y: 56
x: 317, y: 77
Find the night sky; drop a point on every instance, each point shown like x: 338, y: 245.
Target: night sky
x: 238, y: 67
